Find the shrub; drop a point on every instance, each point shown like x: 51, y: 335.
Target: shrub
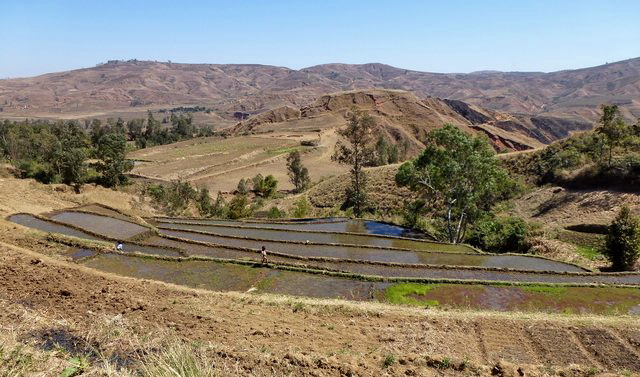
x: 499, y: 234
x: 264, y: 186
x: 301, y: 208
x: 174, y: 197
x: 239, y: 207
x: 275, y: 213
x: 220, y: 206
x: 412, y: 212
x: 243, y: 187
x: 388, y: 361
x: 203, y: 202
x: 622, y: 245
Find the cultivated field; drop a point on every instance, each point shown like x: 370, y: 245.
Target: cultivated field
x: 58, y: 287
x: 219, y: 163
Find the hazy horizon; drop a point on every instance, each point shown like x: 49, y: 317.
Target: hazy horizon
x: 456, y: 37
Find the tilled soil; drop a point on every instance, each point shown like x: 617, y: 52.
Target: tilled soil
x: 317, y: 337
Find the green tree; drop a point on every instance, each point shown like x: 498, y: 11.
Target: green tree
x: 113, y: 163
x: 203, y: 202
x: 622, y: 246
x: 613, y: 128
x: 219, y: 206
x: 381, y: 152
x: 74, y: 167
x: 458, y: 174
x: 298, y: 174
x: 239, y: 207
x: 265, y: 186
x: 242, y: 187
x: 357, y: 153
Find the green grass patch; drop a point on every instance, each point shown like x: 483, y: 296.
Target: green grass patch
x: 589, y: 252
x: 265, y: 283
x: 404, y: 293
x: 283, y: 150
x: 553, y: 291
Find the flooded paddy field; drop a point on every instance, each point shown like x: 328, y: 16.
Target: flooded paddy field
x: 101, y: 210
x: 233, y: 277
x: 108, y: 226
x: 339, y: 225
x: 395, y: 271
x: 569, y: 300
x: 382, y: 255
x: 47, y: 226
x: 329, y: 254
x: 273, y: 234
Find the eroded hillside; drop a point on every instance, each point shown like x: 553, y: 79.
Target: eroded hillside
x: 252, y: 88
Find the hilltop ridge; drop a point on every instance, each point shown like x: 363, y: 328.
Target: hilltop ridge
x: 253, y: 88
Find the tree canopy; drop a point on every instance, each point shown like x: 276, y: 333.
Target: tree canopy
x: 458, y: 175
x: 298, y: 173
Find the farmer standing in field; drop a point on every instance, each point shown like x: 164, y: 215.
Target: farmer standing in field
x: 264, y: 255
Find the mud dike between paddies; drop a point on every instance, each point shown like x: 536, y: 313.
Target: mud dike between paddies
x: 343, y: 258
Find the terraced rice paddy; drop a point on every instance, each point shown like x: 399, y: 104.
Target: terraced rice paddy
x: 335, y: 224
x: 47, y: 226
x: 107, y: 226
x: 358, y: 266
x: 568, y: 300
x: 380, y: 255
x: 318, y: 237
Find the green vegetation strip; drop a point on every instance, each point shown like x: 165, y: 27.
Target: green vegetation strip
x: 612, y: 300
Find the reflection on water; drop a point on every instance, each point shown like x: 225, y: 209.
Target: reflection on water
x: 46, y: 226
x: 107, y: 226
x: 232, y: 277
x: 583, y: 300
x: 339, y: 225
x: 381, y: 255
x: 341, y: 238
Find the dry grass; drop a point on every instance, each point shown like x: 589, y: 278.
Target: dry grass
x: 383, y: 194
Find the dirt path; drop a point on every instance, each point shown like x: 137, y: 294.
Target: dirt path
x: 315, y: 337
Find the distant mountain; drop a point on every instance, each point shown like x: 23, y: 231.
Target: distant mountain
x: 248, y: 88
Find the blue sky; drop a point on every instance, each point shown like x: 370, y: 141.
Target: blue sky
x: 446, y: 36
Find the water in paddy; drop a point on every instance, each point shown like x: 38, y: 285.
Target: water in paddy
x: 400, y: 271
x: 46, y: 226
x: 381, y: 255
x: 600, y: 300
x: 231, y: 277
x: 150, y: 249
x: 82, y: 253
x: 340, y: 238
x: 107, y: 226
x: 327, y: 225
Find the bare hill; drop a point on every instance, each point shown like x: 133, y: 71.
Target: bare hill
x: 404, y: 118
x: 232, y: 88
